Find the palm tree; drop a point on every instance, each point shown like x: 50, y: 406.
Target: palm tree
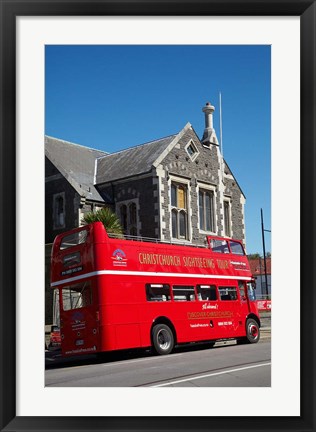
x: 107, y: 217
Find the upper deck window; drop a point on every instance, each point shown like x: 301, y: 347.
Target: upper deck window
x: 236, y: 248
x: 219, y: 246
x: 74, y: 239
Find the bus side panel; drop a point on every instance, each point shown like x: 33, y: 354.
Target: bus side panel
x: 119, y: 313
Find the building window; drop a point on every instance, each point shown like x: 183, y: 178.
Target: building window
x: 59, y: 211
x: 192, y: 150
x: 206, y: 210
x: 227, y: 220
x: 179, y: 211
x: 128, y: 218
x: 132, y: 219
x: 123, y: 217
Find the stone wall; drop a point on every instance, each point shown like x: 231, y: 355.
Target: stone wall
x: 56, y: 183
x: 204, y: 171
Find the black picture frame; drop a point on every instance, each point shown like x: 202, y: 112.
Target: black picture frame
x: 10, y: 10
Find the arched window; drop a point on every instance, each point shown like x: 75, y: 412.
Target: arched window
x: 123, y: 217
x: 132, y: 219
x: 128, y: 217
x: 59, y: 211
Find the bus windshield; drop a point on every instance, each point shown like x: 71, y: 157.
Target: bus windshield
x: 251, y: 291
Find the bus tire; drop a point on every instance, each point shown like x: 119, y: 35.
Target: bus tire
x: 163, y: 339
x: 252, y: 331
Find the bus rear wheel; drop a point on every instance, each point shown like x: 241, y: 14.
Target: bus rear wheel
x: 163, y: 339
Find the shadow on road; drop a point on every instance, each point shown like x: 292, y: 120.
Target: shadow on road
x: 54, y: 359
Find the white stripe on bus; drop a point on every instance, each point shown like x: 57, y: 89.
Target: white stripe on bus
x: 143, y: 273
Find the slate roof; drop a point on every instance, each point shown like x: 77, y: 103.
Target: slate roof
x: 130, y: 162
x: 76, y: 163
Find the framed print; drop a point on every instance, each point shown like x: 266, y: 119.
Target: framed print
x: 27, y: 28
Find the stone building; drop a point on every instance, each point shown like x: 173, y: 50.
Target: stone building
x: 176, y: 188
x: 69, y: 185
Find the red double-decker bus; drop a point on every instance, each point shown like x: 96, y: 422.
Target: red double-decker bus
x: 116, y: 293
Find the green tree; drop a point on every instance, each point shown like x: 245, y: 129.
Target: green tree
x: 254, y: 256
x: 107, y: 217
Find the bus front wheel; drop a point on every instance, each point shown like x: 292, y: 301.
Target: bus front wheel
x: 163, y: 339
x: 253, y: 331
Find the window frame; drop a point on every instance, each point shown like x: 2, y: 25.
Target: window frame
x: 227, y: 218
x: 195, y: 153
x: 150, y: 286
x: 228, y: 287
x: 205, y: 190
x: 130, y: 223
x: 56, y: 214
x: 177, y: 211
x: 211, y: 287
x: 86, y: 285
x: 184, y: 288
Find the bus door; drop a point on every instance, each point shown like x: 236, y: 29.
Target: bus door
x: 228, y: 306
x: 244, y: 307
x: 79, y: 320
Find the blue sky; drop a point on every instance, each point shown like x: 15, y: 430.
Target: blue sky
x: 115, y: 97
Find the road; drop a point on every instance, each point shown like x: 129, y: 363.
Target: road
x: 225, y: 365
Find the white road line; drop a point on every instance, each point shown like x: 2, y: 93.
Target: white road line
x: 211, y: 375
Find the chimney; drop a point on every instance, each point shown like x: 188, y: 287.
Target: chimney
x: 209, y: 136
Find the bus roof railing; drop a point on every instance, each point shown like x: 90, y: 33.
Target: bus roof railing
x: 155, y: 240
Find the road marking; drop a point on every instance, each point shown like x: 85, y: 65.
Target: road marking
x: 211, y: 375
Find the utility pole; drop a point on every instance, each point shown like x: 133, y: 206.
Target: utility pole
x: 264, y: 254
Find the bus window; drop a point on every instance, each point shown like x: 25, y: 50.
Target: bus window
x: 157, y: 292
x: 183, y: 293
x: 251, y: 291
x: 77, y: 296
x: 242, y: 293
x: 236, y: 248
x: 73, y: 239
x: 206, y: 292
x: 219, y: 246
x: 227, y: 293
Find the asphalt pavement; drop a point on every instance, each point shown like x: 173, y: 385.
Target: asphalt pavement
x: 53, y: 357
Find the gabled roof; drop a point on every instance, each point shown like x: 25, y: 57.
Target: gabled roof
x: 135, y: 160
x: 76, y: 163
